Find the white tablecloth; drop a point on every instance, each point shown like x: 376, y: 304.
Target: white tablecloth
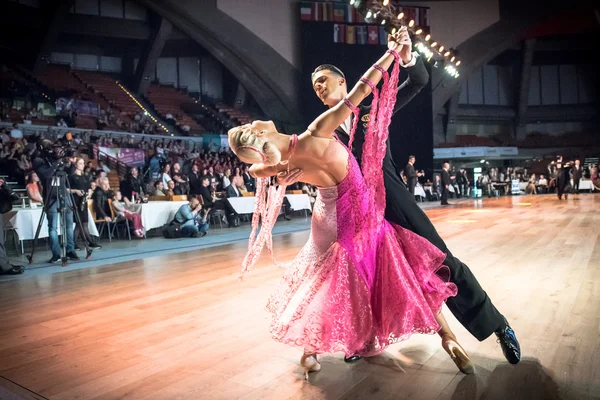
x: 245, y: 205
x: 25, y: 222
x: 419, y: 191
x: 299, y: 201
x: 157, y: 213
x: 242, y: 205
x: 586, y: 185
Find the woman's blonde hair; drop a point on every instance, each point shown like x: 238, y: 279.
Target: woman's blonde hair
x: 251, y: 148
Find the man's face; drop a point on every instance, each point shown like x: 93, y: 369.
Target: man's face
x: 205, y: 182
x: 160, y: 186
x: 577, y: 162
x: 329, y: 87
x: 134, y: 172
x: 411, y: 160
x: 446, y: 166
x: 195, y: 168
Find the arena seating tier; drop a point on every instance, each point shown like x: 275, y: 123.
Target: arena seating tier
x: 168, y: 100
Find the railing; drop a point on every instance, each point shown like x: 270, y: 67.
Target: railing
x: 55, y: 131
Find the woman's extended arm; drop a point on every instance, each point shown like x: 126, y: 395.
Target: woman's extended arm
x: 326, y: 123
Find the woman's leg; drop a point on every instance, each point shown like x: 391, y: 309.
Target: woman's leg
x: 453, y: 348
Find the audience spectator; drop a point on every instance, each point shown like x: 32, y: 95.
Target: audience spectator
x: 122, y: 207
x: 159, y: 189
x: 34, y: 188
x: 101, y: 196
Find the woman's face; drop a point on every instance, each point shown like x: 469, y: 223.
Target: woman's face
x: 80, y: 165
x: 237, y: 171
x: 34, y: 178
x: 93, y: 185
x: 118, y: 196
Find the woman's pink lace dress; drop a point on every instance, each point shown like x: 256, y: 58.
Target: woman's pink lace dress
x: 360, y: 283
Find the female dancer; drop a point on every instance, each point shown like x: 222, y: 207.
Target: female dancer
x: 360, y: 283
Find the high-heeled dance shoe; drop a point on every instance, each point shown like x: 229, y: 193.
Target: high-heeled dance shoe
x: 458, y: 355
x: 310, y: 363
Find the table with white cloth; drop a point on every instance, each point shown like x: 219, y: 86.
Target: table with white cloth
x: 245, y: 205
x: 419, y: 191
x: 25, y: 222
x: 586, y: 184
x: 156, y: 214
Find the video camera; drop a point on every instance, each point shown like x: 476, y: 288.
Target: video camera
x: 56, y: 151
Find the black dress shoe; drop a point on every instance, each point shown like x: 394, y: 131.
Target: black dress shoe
x: 54, y: 259
x: 15, y: 270
x: 94, y: 246
x: 73, y: 256
x: 509, y: 343
x: 352, y: 359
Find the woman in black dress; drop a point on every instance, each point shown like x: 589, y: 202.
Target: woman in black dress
x: 80, y: 187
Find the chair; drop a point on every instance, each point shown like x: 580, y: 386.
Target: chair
x: 116, y: 220
x: 158, y: 198
x: 100, y: 223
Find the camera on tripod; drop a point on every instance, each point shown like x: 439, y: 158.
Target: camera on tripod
x: 55, y: 152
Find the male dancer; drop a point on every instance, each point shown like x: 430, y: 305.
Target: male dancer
x: 471, y: 306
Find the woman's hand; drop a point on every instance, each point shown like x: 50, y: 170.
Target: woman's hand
x: 400, y: 42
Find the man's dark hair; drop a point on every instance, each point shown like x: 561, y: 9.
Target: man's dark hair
x: 328, y: 67
x: 411, y: 156
x: 157, y: 183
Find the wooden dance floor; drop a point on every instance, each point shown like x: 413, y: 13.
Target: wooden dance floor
x: 184, y: 327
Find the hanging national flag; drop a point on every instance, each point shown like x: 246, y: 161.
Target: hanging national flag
x: 361, y: 34
x: 349, y: 15
x: 306, y: 12
x: 339, y: 33
x: 316, y: 11
x: 351, y: 34
x: 339, y: 13
x: 382, y: 36
x: 373, y: 35
x: 327, y: 11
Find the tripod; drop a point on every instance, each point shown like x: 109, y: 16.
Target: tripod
x: 65, y: 202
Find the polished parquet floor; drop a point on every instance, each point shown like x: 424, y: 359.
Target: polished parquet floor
x: 184, y: 327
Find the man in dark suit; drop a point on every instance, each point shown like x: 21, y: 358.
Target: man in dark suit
x: 411, y: 175
x: 445, y: 184
x: 232, y: 191
x: 195, y: 181
x: 471, y: 306
x: 212, y: 203
x: 249, y: 180
x: 577, y: 173
x: 563, y: 178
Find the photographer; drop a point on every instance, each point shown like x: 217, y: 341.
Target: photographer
x: 48, y: 161
x: 6, y: 199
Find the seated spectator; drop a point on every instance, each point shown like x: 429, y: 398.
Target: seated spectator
x: 171, y: 188
x: 212, y: 203
x: 159, y: 189
x: 62, y: 124
x: 249, y: 180
x: 34, y: 189
x: 237, y: 179
x: 232, y: 191
x: 16, y: 133
x: 103, y: 166
x: 124, y: 208
x: 542, y: 181
x: 192, y: 219
x: 101, y: 196
x: 180, y: 181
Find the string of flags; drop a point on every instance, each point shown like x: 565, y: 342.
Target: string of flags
x: 359, y: 34
x: 340, y: 11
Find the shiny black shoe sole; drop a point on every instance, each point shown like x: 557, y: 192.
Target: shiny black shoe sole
x: 509, y: 344
x: 352, y: 359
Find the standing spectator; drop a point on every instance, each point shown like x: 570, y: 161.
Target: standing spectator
x: 577, y: 173
x: 446, y: 179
